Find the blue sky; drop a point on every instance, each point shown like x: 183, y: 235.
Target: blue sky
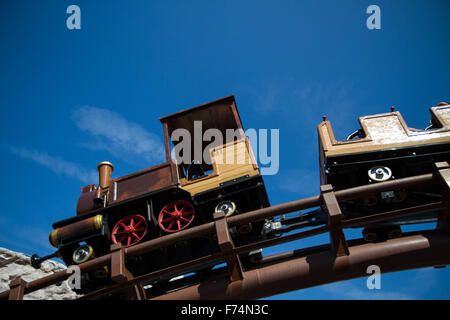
x: 287, y: 63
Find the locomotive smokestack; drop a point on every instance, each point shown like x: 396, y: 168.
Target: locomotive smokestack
x: 105, y: 169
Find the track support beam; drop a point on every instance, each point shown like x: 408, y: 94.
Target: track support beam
x: 442, y: 174
x: 226, y: 246
x: 17, y: 289
x: 339, y: 245
x: 120, y: 274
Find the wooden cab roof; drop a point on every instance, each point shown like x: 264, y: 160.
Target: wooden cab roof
x: 221, y: 114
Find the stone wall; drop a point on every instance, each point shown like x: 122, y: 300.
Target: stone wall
x: 15, y: 264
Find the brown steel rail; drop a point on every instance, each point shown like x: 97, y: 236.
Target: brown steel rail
x: 236, y: 279
x: 418, y: 251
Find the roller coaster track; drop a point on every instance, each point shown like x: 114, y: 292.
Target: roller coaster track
x: 339, y: 260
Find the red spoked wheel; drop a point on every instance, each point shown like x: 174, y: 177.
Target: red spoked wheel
x: 129, y: 230
x: 176, y: 216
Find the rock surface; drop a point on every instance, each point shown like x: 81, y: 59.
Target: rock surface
x: 15, y: 264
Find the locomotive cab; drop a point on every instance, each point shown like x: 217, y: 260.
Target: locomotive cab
x: 214, y: 162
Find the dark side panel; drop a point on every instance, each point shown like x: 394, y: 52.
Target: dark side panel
x: 142, y: 182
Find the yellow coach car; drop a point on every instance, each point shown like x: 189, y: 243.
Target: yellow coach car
x: 385, y: 148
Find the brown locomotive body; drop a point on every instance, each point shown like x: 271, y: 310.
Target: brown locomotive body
x: 169, y: 197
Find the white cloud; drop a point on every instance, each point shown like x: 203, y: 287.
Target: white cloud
x: 122, y: 138
x: 349, y: 291
x: 55, y: 164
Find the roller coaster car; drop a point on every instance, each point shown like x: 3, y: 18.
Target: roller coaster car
x: 385, y: 148
x: 169, y: 197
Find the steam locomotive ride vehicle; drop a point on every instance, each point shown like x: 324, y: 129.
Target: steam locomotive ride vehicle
x: 383, y: 149
x: 170, y: 197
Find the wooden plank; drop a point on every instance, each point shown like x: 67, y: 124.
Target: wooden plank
x: 222, y: 171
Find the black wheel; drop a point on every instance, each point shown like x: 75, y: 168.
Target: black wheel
x: 394, y: 232
x: 370, y: 235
